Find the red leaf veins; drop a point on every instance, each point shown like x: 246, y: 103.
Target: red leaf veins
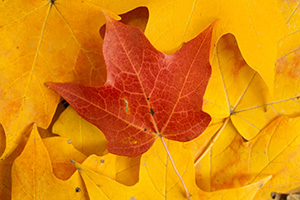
x: 147, y: 93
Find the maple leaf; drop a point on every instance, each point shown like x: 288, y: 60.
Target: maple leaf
x: 60, y: 156
x: 83, y: 135
x: 272, y: 149
x: 257, y: 25
x: 158, y: 176
x: 33, y: 178
x: 88, y: 139
x: 237, y: 98
x: 233, y: 162
x: 147, y: 94
x: 58, y: 46
x: 236, y: 91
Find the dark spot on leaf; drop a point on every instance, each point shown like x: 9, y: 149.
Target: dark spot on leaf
x: 17, y: 47
x: 152, y: 111
x: 127, y: 124
x: 98, y: 185
x: 77, y: 189
x: 132, y: 198
x: 148, y: 99
x: 273, y: 195
x: 145, y: 129
x: 187, y: 138
x: 52, y: 1
x: 102, y: 160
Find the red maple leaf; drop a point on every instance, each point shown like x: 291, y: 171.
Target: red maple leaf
x: 147, y: 93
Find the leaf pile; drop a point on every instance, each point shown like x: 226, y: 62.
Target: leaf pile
x: 249, y: 148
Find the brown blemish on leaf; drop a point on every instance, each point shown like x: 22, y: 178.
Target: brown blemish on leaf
x: 152, y: 111
x: 289, y: 65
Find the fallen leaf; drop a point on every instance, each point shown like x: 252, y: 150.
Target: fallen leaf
x: 120, y: 168
x: 147, y: 93
x: 257, y: 25
x: 231, y: 162
x: 237, y: 98
x: 287, y: 66
x: 85, y: 137
x: 43, y: 41
x: 127, y: 170
x: 33, y: 178
x: 199, y: 145
x: 105, y: 165
x: 60, y: 152
x: 158, y: 179
x: 287, y: 91
x: 236, y: 91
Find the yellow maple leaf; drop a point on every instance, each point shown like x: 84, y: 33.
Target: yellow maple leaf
x: 158, y: 179
x: 42, y: 41
x: 60, y: 152
x: 290, y: 11
x: 287, y: 91
x: 83, y: 135
x: 232, y: 162
x: 63, y: 44
x: 257, y: 25
x: 33, y: 178
x: 236, y: 91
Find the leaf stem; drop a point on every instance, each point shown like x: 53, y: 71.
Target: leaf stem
x: 212, y: 141
x: 173, y: 164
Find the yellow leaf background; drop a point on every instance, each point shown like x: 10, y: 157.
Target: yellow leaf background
x: 249, y: 150
x: 158, y: 179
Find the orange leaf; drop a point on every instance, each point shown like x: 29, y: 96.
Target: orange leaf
x: 257, y: 25
x: 147, y: 93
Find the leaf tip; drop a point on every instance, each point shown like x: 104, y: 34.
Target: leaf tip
x: 110, y: 15
x: 47, y: 84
